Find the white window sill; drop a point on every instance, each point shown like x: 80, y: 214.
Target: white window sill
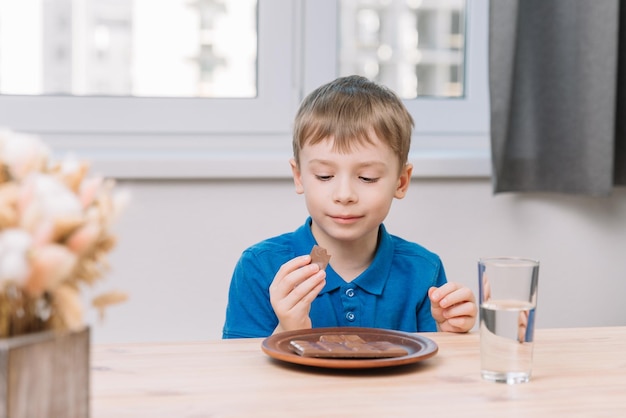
x: 195, y: 157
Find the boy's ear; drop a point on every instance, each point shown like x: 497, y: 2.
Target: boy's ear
x: 297, y: 176
x: 403, y: 181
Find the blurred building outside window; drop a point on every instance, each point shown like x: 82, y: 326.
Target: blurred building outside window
x: 140, y: 48
x: 415, y: 47
x: 208, y: 48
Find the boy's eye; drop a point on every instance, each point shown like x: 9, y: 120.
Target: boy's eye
x: 323, y: 178
x: 368, y: 179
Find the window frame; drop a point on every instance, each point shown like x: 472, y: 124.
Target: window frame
x: 137, y: 138
x: 439, y: 148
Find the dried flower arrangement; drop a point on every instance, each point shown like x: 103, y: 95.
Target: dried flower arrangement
x: 54, y: 236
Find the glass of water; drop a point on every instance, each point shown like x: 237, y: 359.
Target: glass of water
x: 507, y: 300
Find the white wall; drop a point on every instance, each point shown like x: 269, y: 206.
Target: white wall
x: 179, y: 241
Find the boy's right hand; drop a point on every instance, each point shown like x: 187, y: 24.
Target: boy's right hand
x: 295, y: 286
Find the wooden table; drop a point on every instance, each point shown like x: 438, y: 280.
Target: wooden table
x: 578, y: 372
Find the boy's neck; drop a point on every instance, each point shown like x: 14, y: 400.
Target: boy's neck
x: 349, y: 258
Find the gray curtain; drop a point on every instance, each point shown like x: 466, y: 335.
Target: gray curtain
x: 557, y: 75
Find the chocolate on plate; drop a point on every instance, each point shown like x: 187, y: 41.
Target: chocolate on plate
x: 346, y: 346
x: 319, y: 256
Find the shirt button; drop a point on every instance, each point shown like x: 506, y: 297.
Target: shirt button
x: 350, y: 316
x: 350, y: 293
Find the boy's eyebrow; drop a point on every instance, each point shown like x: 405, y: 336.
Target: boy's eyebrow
x: 319, y: 161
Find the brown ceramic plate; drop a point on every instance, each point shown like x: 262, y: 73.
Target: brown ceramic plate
x: 418, y: 347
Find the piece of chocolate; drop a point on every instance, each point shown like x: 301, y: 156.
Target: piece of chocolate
x: 319, y: 256
x: 346, y: 346
x: 341, y: 338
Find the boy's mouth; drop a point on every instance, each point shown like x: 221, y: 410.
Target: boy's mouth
x: 346, y: 219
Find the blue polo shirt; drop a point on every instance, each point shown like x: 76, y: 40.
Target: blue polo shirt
x: 392, y: 293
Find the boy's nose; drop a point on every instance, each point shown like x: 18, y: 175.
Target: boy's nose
x: 344, y: 193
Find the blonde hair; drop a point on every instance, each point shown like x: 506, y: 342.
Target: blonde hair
x: 348, y: 109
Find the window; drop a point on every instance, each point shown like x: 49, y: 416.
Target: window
x: 125, y: 48
x: 451, y: 135
x: 245, y: 134
x: 414, y: 47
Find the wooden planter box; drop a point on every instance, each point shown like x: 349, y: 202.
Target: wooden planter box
x: 45, y: 374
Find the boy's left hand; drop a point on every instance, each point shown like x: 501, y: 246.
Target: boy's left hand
x: 453, y: 306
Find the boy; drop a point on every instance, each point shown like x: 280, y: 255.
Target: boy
x: 351, y: 143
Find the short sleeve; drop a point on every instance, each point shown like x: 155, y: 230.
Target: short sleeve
x: 249, y: 312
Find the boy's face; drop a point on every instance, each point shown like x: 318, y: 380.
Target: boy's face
x: 348, y: 195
